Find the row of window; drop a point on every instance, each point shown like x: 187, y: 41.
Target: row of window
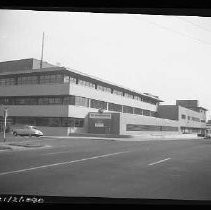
x: 137, y: 127
x: 102, y: 88
x: 190, y: 118
x: 46, y: 121
x: 75, y: 100
x: 60, y: 78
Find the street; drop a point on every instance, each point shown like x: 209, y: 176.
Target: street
x: 157, y: 169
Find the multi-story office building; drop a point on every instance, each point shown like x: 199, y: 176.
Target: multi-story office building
x: 58, y: 99
x: 190, y: 116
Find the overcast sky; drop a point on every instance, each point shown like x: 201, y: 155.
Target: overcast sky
x: 168, y: 56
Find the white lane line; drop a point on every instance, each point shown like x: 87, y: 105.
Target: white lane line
x: 159, y: 161
x: 61, y: 163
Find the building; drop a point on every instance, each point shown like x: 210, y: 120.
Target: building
x: 190, y: 116
x: 60, y: 101
x: 208, y: 127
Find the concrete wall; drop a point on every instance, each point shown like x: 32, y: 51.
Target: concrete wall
x: 17, y: 65
x: 53, y: 131
x: 79, y: 111
x: 38, y: 111
x: 23, y: 64
x: 144, y: 120
x: 35, y: 90
x: 168, y: 112
x: 72, y: 130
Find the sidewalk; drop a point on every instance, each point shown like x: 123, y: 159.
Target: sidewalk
x: 142, y: 137
x: 23, y: 143
x: 19, y: 143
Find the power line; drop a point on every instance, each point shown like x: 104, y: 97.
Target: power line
x: 177, y: 32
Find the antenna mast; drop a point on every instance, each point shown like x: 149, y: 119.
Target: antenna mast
x: 41, y: 61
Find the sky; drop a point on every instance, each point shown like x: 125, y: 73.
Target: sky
x: 167, y: 56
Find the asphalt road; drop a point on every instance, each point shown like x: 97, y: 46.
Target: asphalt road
x: 179, y: 169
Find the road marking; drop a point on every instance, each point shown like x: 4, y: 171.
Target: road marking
x: 61, y: 163
x: 159, y: 161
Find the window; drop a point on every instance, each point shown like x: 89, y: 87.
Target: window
x: 69, y: 100
x: 79, y: 123
x: 43, y: 101
x: 102, y: 88
x: 54, y: 122
x: 42, y: 121
x: 51, y: 78
x: 81, y: 101
x: 23, y: 80
x: 114, y: 107
x: 20, y: 101
x: 68, y: 79
x: 196, y: 119
x: 98, y: 104
x: 153, y: 114
x: 116, y: 92
x: 136, y: 127
x: 24, y: 120
x: 183, y: 116
x: 138, y: 98
x: 49, y: 100
x: 32, y: 101
x: 67, y: 122
x: 55, y: 100
x: 72, y: 122
x: 7, y: 101
x: 72, y: 80
x: 150, y: 101
x: 85, y: 83
x: 7, y: 81
x: 146, y: 112
x: 138, y: 111
x: 128, y: 95
x: 128, y: 109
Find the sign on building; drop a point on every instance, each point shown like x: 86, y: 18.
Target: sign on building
x: 100, y: 115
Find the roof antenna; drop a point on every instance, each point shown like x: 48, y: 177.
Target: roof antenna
x: 41, y: 61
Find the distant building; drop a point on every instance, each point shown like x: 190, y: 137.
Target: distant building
x: 208, y: 126
x: 190, y: 116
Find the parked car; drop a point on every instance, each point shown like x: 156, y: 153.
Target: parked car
x: 27, y: 131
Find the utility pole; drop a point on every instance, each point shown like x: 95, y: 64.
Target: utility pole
x: 42, y: 50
